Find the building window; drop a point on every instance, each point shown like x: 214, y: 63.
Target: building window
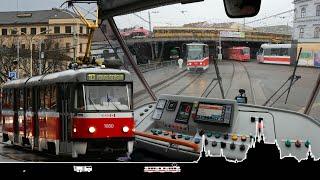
x: 56, y: 46
x: 68, y: 29
x: 43, y: 30
x: 81, y: 30
x: 14, y: 31
x: 317, y: 32
x: 23, y: 30
x: 67, y: 47
x: 33, y: 47
x: 57, y: 29
x: 4, y: 32
x: 80, y: 48
x: 301, y: 32
x: 303, y: 12
x: 318, y: 10
x: 33, y: 31
x: 23, y: 46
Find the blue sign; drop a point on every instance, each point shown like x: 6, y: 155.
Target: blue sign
x: 13, y: 75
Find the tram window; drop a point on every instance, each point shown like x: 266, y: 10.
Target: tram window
x: 29, y: 98
x: 5, y: 98
x: 78, y: 100
x: 10, y: 99
x: 47, y: 94
x: 53, y: 97
x: 107, y: 97
x: 42, y: 97
x: 21, y: 99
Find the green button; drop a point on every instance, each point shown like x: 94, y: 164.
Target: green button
x: 209, y: 134
x: 307, y: 143
x: 288, y: 143
x: 217, y: 135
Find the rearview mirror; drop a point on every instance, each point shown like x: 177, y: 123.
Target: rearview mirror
x: 242, y: 8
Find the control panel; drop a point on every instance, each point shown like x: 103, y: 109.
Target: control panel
x: 181, y: 127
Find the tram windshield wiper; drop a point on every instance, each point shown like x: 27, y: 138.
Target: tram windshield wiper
x: 109, y: 100
x: 93, y: 104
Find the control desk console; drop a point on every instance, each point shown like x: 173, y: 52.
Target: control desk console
x: 181, y: 127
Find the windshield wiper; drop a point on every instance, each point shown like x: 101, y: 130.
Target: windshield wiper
x: 94, y: 105
x: 109, y: 100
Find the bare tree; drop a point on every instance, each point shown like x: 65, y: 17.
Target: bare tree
x: 54, y: 59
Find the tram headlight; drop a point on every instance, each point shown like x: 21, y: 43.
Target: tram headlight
x: 92, y: 129
x: 74, y: 130
x: 201, y: 63
x: 125, y: 129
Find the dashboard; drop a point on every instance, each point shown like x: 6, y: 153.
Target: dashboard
x: 182, y: 126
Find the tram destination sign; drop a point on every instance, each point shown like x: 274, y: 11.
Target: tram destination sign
x: 105, y: 77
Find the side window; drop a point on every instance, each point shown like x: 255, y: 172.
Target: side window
x: 29, y: 98
x: 4, y: 98
x: 21, y: 99
x: 78, y: 98
x: 53, y: 97
x: 42, y: 97
x: 10, y: 99
x: 47, y: 94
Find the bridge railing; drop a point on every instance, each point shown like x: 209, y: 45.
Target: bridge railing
x: 156, y: 65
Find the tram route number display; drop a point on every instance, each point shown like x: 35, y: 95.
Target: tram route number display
x: 105, y: 77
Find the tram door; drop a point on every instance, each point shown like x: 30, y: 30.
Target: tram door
x: 65, y: 99
x: 35, y: 108
x: 16, y: 94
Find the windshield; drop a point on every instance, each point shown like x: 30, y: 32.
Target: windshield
x: 103, y: 97
x: 194, y: 52
x: 205, y: 22
x: 246, y: 51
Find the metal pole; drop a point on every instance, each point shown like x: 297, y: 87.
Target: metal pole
x: 130, y: 58
x: 293, y: 75
x: 313, y: 96
x: 18, y: 58
x: 149, y: 21
x: 40, y: 65
x: 219, y: 77
x: 31, y: 57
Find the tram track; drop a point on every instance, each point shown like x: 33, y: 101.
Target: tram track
x: 250, y: 82
x: 163, y: 85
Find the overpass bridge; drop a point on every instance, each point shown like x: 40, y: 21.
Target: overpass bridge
x: 164, y: 39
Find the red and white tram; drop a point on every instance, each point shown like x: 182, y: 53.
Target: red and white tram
x: 274, y: 54
x: 197, y: 56
x: 74, y: 112
x: 238, y: 53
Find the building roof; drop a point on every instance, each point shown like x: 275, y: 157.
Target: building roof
x: 34, y: 17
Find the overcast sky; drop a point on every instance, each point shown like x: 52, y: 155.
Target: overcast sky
x: 209, y: 10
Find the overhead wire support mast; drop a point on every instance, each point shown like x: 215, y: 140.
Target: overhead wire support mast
x: 92, y: 26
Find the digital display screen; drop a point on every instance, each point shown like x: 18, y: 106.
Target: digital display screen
x: 172, y: 105
x: 210, y: 113
x: 161, y: 103
x: 105, y: 77
x: 184, y: 112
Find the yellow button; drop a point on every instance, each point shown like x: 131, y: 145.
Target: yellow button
x: 234, y: 137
